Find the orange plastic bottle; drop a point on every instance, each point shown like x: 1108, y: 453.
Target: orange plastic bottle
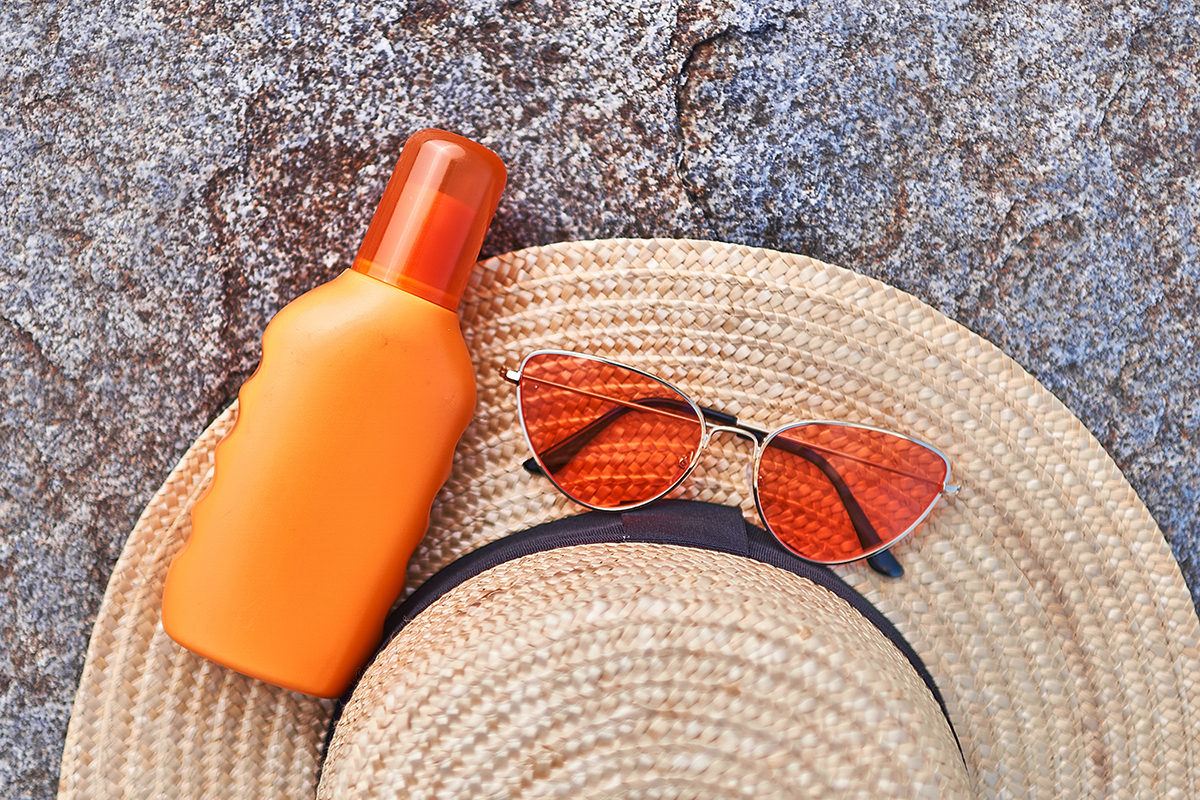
x: 345, y: 433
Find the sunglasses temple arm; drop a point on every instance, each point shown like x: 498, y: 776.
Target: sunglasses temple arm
x: 560, y: 454
x: 883, y: 562
x: 886, y: 564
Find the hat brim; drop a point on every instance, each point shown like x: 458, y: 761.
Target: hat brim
x: 1043, y: 597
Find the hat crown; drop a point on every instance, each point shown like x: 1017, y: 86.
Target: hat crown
x: 637, y: 666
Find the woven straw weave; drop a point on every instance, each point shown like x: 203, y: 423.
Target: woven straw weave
x: 1043, y: 597
x: 642, y: 670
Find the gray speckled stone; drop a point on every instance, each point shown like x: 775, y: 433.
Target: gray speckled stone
x: 171, y: 174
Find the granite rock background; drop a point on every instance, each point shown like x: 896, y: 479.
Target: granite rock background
x: 172, y: 173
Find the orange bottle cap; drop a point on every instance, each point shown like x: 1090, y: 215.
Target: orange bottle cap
x: 426, y: 234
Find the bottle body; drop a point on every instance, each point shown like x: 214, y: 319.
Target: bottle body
x: 323, y: 488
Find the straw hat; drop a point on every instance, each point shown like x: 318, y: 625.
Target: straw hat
x: 1042, y: 598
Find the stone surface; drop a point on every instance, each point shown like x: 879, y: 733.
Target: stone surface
x: 172, y: 173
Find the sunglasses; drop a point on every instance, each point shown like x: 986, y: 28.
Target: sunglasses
x: 614, y: 438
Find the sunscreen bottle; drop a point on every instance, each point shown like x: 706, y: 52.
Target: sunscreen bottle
x: 344, y: 435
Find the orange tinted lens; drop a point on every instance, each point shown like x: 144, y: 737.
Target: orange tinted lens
x: 607, y: 436
x: 834, y: 493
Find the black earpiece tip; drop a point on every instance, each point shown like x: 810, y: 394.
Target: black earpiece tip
x: 886, y: 564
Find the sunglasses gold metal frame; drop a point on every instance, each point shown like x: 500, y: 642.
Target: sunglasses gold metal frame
x: 713, y: 421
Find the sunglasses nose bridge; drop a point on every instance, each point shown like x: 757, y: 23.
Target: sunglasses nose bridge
x: 727, y: 429
x: 710, y: 429
x: 741, y: 433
